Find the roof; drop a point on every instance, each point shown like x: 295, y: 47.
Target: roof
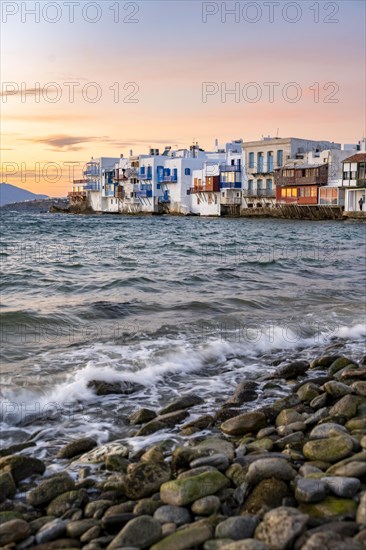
x: 303, y: 166
x: 358, y: 157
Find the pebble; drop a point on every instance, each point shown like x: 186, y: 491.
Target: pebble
x: 51, y: 531
x: 172, y: 514
x: 219, y: 461
x: 310, y: 490
x: 237, y: 527
x: 206, y: 506
x: 345, y: 487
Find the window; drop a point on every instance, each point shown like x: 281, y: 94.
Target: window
x: 303, y: 173
x: 353, y: 175
x: 187, y: 172
x: 314, y: 192
x: 283, y: 192
x: 259, y: 184
x: 251, y: 160
x: 260, y: 162
x: 250, y: 185
x: 270, y: 161
x: 279, y: 157
x: 238, y: 194
x: 158, y: 186
x: 269, y: 184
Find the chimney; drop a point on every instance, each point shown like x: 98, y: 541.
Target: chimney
x: 216, y: 142
x: 121, y: 156
x: 131, y: 153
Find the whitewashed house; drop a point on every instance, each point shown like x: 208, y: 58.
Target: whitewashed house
x: 354, y: 181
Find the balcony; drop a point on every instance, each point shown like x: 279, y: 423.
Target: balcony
x: 91, y: 187
x: 167, y: 179
x: 259, y: 192
x: 230, y: 185
x: 145, y: 194
x: 91, y: 170
x: 230, y: 168
x: 145, y: 175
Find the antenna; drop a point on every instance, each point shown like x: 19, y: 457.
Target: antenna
x: 277, y: 132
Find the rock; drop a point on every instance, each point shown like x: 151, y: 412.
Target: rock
x: 187, y: 537
x: 345, y: 487
x: 245, y: 391
x: 346, y: 406
x: 359, y: 387
x: 328, y: 429
x: 219, y: 461
x: 185, y: 491
x: 98, y: 455
x: 280, y: 527
x: 351, y: 469
x: 102, y: 387
x: 142, y: 480
x: 49, y: 489
x: 77, y: 447
x: 237, y: 527
x: 172, y: 514
x: 310, y: 490
x: 330, y: 507
x: 91, y: 534
x: 331, y: 541
x: 361, y: 510
x: 61, y: 504
x: 21, y: 467
x: 249, y: 422
x: 268, y: 494
x: 215, y: 445
x: 265, y: 468
x: 338, y: 364
x: 114, y: 462
x: 307, y: 392
x: 324, y: 361
x: 96, y: 508
x: 184, y: 402
x: 206, y: 506
x: 14, y: 531
x: 7, y: 486
x: 294, y: 440
x: 217, y: 544
x: 68, y: 544
x: 154, y: 454
x: 75, y: 529
x: 288, y: 416
x: 161, y: 422
x: 140, y: 532
x: 142, y: 415
x: 200, y: 423
x: 336, y: 389
x: 332, y: 449
x: 51, y: 531
x: 292, y: 370
x: 285, y: 403
x: 319, y: 402
x: 147, y: 507
x: 264, y: 444
x: 247, y: 544
x: 114, y: 523
x: 356, y: 423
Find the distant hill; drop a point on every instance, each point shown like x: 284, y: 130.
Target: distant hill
x: 38, y: 206
x: 11, y: 193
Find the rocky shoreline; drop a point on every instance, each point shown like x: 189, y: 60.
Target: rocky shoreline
x: 291, y: 475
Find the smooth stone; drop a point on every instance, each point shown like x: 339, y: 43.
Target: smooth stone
x: 184, y: 402
x: 187, y: 537
x: 247, y: 544
x: 359, y: 387
x: 265, y: 468
x: 51, y: 531
x: 346, y: 407
x: 338, y: 364
x: 102, y: 387
x: 140, y: 532
x: 172, y: 514
x: 332, y: 449
x: 215, y: 445
x: 242, y: 424
x: 7, y: 486
x: 49, y: 489
x: 78, y: 447
x: 310, y: 490
x: 288, y: 416
x: 200, y: 423
x: 307, y: 392
x: 268, y: 494
x: 325, y: 361
x: 168, y: 420
x: 351, y: 469
x: 206, y: 506
x: 280, y: 527
x: 13, y: 531
x: 328, y: 429
x: 295, y: 440
x: 142, y: 415
x: 245, y: 391
x: 319, y: 415
x: 330, y: 507
x: 336, y: 389
x: 345, y: 487
x: 319, y: 401
x: 142, y: 480
x: 76, y: 529
x: 217, y: 544
x: 196, y: 471
x: 307, y: 469
x: 167, y: 529
x: 185, y: 491
x: 219, y: 461
x: 361, y: 510
x: 237, y: 527
x: 292, y: 370
x: 331, y: 541
x: 91, y: 534
x: 114, y: 523
x: 356, y: 423
x: 98, y: 455
x: 61, y: 504
x: 21, y: 467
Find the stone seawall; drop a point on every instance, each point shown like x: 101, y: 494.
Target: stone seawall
x: 295, y: 212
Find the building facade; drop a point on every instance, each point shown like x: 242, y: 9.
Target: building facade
x: 354, y: 182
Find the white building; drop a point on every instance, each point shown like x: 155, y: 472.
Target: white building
x: 262, y: 157
x: 354, y: 181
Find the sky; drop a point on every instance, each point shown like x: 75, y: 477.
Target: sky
x: 82, y: 79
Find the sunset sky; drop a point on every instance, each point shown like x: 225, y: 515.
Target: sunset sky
x: 167, y: 51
